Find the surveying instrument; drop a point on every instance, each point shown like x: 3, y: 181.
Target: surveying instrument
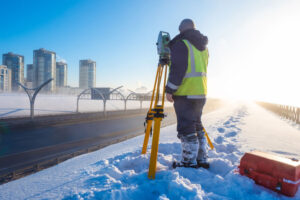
x: 156, y: 110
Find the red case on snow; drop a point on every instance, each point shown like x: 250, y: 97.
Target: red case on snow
x: 274, y: 172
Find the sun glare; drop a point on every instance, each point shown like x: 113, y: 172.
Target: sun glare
x: 262, y: 60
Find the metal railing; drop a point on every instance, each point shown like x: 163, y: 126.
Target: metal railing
x: 104, y: 96
x: 289, y: 112
x: 114, y: 94
x: 32, y: 93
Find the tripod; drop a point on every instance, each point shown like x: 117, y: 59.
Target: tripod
x: 156, y: 114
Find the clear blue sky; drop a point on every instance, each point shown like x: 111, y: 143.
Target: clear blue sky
x: 119, y: 35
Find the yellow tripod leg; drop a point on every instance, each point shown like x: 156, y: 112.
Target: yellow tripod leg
x: 147, y: 135
x: 158, y: 115
x: 208, y: 139
x: 149, y: 114
x: 154, y: 148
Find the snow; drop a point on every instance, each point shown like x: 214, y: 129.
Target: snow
x: 120, y: 171
x: 17, y: 104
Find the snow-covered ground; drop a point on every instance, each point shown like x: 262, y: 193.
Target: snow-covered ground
x: 17, y: 104
x: 120, y: 172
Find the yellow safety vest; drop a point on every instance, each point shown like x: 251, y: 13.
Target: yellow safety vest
x: 194, y: 84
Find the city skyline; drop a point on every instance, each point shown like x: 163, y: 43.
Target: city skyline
x: 30, y: 71
x: 28, y: 63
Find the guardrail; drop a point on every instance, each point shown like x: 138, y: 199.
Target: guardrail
x: 289, y: 112
x: 11, y: 124
x: 47, y: 120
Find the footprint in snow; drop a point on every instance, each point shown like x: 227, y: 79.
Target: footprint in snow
x: 219, y: 139
x: 231, y: 126
x: 231, y: 134
x: 230, y: 148
x: 227, y: 122
x: 221, y: 130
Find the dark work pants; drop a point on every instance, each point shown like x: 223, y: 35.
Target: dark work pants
x: 188, y: 112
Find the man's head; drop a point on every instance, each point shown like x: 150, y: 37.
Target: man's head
x: 186, y: 24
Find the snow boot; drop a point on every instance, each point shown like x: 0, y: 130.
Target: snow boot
x: 189, y: 149
x: 176, y: 164
x: 202, y: 150
x: 204, y: 165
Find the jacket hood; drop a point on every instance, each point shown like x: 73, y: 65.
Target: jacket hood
x: 193, y: 36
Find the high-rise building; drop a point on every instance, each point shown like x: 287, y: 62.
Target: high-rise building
x: 30, y: 72
x: 44, y: 67
x: 16, y: 64
x: 29, y: 76
x: 5, y: 79
x: 61, y: 74
x: 87, y: 73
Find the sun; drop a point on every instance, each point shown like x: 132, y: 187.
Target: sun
x: 262, y: 62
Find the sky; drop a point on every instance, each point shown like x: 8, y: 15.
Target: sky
x: 253, y: 44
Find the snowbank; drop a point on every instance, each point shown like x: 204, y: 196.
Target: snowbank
x: 120, y: 171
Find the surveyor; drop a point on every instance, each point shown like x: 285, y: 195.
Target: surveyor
x: 187, y: 88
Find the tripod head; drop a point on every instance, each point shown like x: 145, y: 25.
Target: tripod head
x: 162, y: 47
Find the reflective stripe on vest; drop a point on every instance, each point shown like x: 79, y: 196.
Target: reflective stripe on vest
x: 196, y: 96
x: 172, y: 86
x: 193, y: 72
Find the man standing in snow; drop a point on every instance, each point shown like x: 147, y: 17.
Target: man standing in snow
x: 187, y: 88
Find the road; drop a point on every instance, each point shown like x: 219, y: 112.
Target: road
x: 29, y: 145
x: 23, y: 147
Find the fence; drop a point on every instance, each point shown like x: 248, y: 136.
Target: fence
x: 289, y: 112
x: 112, y: 94
x: 102, y: 94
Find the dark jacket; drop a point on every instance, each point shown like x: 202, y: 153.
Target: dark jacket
x: 179, y: 55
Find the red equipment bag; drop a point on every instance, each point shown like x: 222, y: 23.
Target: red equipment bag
x: 274, y: 172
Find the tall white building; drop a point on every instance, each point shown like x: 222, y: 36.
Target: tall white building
x: 61, y: 74
x: 15, y: 63
x: 87, y: 74
x: 44, y: 68
x: 5, y: 79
